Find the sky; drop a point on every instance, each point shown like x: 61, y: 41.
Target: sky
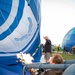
x: 57, y: 18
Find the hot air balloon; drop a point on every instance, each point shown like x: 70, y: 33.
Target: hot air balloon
x: 69, y: 39
x: 19, y: 32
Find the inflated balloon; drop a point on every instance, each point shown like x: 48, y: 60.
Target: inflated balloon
x: 69, y: 39
x: 19, y: 32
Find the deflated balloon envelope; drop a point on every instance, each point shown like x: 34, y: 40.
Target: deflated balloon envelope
x: 19, y: 26
x: 19, y: 31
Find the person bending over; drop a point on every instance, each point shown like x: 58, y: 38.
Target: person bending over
x: 55, y: 59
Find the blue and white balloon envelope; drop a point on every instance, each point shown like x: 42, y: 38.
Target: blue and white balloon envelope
x: 19, y: 30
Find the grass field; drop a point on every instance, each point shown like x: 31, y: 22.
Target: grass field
x: 67, y: 56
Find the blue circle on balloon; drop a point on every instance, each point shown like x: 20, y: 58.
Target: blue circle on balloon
x: 5, y: 8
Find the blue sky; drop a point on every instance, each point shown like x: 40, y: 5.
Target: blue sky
x: 57, y: 18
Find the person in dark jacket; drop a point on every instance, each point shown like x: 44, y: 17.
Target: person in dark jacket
x: 47, y: 48
x: 65, y: 50
x: 58, y: 47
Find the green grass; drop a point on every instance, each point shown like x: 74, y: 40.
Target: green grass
x: 67, y: 56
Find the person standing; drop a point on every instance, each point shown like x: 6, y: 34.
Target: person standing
x: 73, y: 49
x: 47, y: 48
x: 59, y: 47
x: 65, y: 49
